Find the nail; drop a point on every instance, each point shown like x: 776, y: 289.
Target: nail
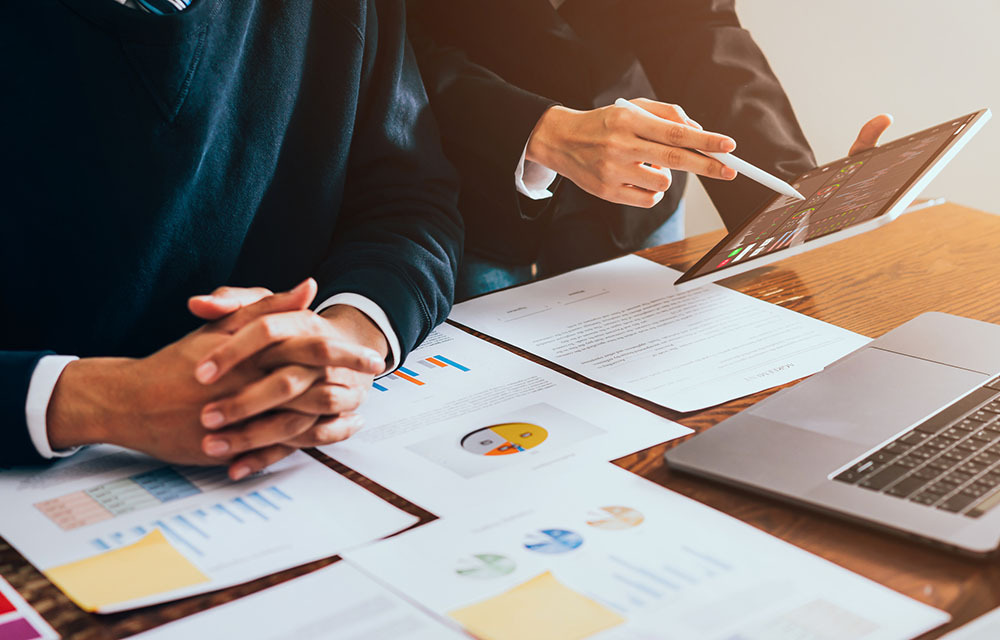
x: 213, y: 419
x: 216, y: 447
x: 376, y: 361
x: 729, y: 173
x: 728, y: 144
x: 206, y: 371
x: 239, y: 472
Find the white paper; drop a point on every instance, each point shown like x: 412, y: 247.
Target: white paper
x: 673, y: 568
x: 104, y: 498
x: 427, y: 442
x: 985, y: 627
x: 19, y: 622
x: 336, y: 603
x: 623, y: 323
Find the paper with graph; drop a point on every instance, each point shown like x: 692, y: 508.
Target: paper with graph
x: 595, y: 551
x: 462, y: 417
x: 116, y: 530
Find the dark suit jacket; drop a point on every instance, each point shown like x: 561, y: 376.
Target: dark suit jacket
x: 493, y: 67
x: 248, y: 143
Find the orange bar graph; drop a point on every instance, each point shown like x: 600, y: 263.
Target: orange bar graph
x: 437, y: 362
x: 400, y: 374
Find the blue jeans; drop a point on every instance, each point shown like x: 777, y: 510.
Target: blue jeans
x: 480, y: 275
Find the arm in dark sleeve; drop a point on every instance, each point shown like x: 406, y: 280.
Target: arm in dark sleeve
x: 480, y: 113
x: 698, y: 56
x: 16, y: 368
x: 399, y: 235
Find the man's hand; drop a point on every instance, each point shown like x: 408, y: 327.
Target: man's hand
x: 870, y: 133
x: 623, y: 154
x: 319, y: 372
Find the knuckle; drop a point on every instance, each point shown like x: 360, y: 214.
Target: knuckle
x: 321, y: 350
x: 285, y: 384
x: 293, y: 424
x: 675, y: 134
x: 674, y: 157
x: 329, y: 399
x: 221, y: 291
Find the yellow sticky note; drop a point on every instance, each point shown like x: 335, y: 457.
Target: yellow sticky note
x: 540, y: 609
x: 145, y: 568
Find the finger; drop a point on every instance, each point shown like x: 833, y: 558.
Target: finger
x: 870, y: 133
x: 633, y: 196
x: 258, y: 433
x: 673, y: 112
x: 258, y: 461
x: 328, y: 399
x: 322, y: 351
x: 656, y: 129
x: 680, y: 159
x: 255, y: 337
x: 274, y: 390
x: 295, y: 299
x: 224, y: 301
x: 656, y: 179
x: 328, y: 431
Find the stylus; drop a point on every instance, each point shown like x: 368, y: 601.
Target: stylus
x: 739, y: 166
x: 755, y: 174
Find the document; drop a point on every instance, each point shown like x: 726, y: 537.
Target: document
x: 18, y: 621
x: 334, y: 603
x: 595, y: 551
x: 985, y: 627
x: 116, y: 530
x: 623, y: 323
x: 462, y: 417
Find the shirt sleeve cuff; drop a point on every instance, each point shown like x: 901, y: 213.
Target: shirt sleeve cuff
x: 376, y: 315
x: 533, y: 179
x: 43, y: 383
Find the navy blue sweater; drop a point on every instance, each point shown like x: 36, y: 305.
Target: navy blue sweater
x: 241, y: 142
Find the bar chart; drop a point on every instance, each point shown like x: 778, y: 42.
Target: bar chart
x: 409, y: 375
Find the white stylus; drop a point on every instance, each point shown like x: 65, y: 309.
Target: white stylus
x: 740, y: 166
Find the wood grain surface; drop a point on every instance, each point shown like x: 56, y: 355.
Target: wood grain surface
x: 937, y: 259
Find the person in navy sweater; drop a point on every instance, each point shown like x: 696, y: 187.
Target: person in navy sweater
x: 170, y: 163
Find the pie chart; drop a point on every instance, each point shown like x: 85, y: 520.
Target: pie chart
x: 504, y: 439
x: 484, y: 566
x: 615, y: 518
x: 552, y: 541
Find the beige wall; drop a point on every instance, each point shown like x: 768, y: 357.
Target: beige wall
x: 923, y: 61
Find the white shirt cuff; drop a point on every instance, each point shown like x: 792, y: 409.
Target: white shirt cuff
x: 533, y: 179
x: 43, y: 383
x: 376, y: 315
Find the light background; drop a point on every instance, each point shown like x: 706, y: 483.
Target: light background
x: 923, y: 61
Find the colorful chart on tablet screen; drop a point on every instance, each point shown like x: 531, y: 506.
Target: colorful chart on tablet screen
x: 485, y: 565
x: 615, y: 518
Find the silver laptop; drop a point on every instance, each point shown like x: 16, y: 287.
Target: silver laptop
x: 902, y: 434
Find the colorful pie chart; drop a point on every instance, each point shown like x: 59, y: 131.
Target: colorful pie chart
x: 615, y: 518
x: 504, y: 439
x: 552, y: 541
x: 484, y: 566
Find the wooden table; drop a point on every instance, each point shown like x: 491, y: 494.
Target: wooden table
x: 940, y: 259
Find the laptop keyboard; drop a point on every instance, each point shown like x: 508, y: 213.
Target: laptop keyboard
x: 951, y: 461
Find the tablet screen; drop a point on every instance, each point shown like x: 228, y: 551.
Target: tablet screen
x: 841, y: 194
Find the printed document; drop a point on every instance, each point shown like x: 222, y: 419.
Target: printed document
x: 985, y: 627
x: 623, y: 323
x: 595, y: 551
x: 462, y: 417
x: 334, y: 603
x: 116, y: 530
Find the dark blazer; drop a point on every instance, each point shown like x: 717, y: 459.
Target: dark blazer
x: 243, y: 142
x: 492, y: 67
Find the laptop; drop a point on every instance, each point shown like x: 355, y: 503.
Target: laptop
x: 902, y: 434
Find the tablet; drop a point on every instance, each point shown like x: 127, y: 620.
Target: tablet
x: 843, y: 198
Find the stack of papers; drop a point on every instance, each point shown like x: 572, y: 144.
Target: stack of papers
x: 598, y: 552
x: 464, y: 418
x: 623, y: 323
x: 117, y: 530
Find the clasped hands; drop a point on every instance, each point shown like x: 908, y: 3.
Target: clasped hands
x: 264, y: 377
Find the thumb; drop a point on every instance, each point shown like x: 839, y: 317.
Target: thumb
x: 870, y: 133
x: 224, y: 301
x: 295, y: 299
